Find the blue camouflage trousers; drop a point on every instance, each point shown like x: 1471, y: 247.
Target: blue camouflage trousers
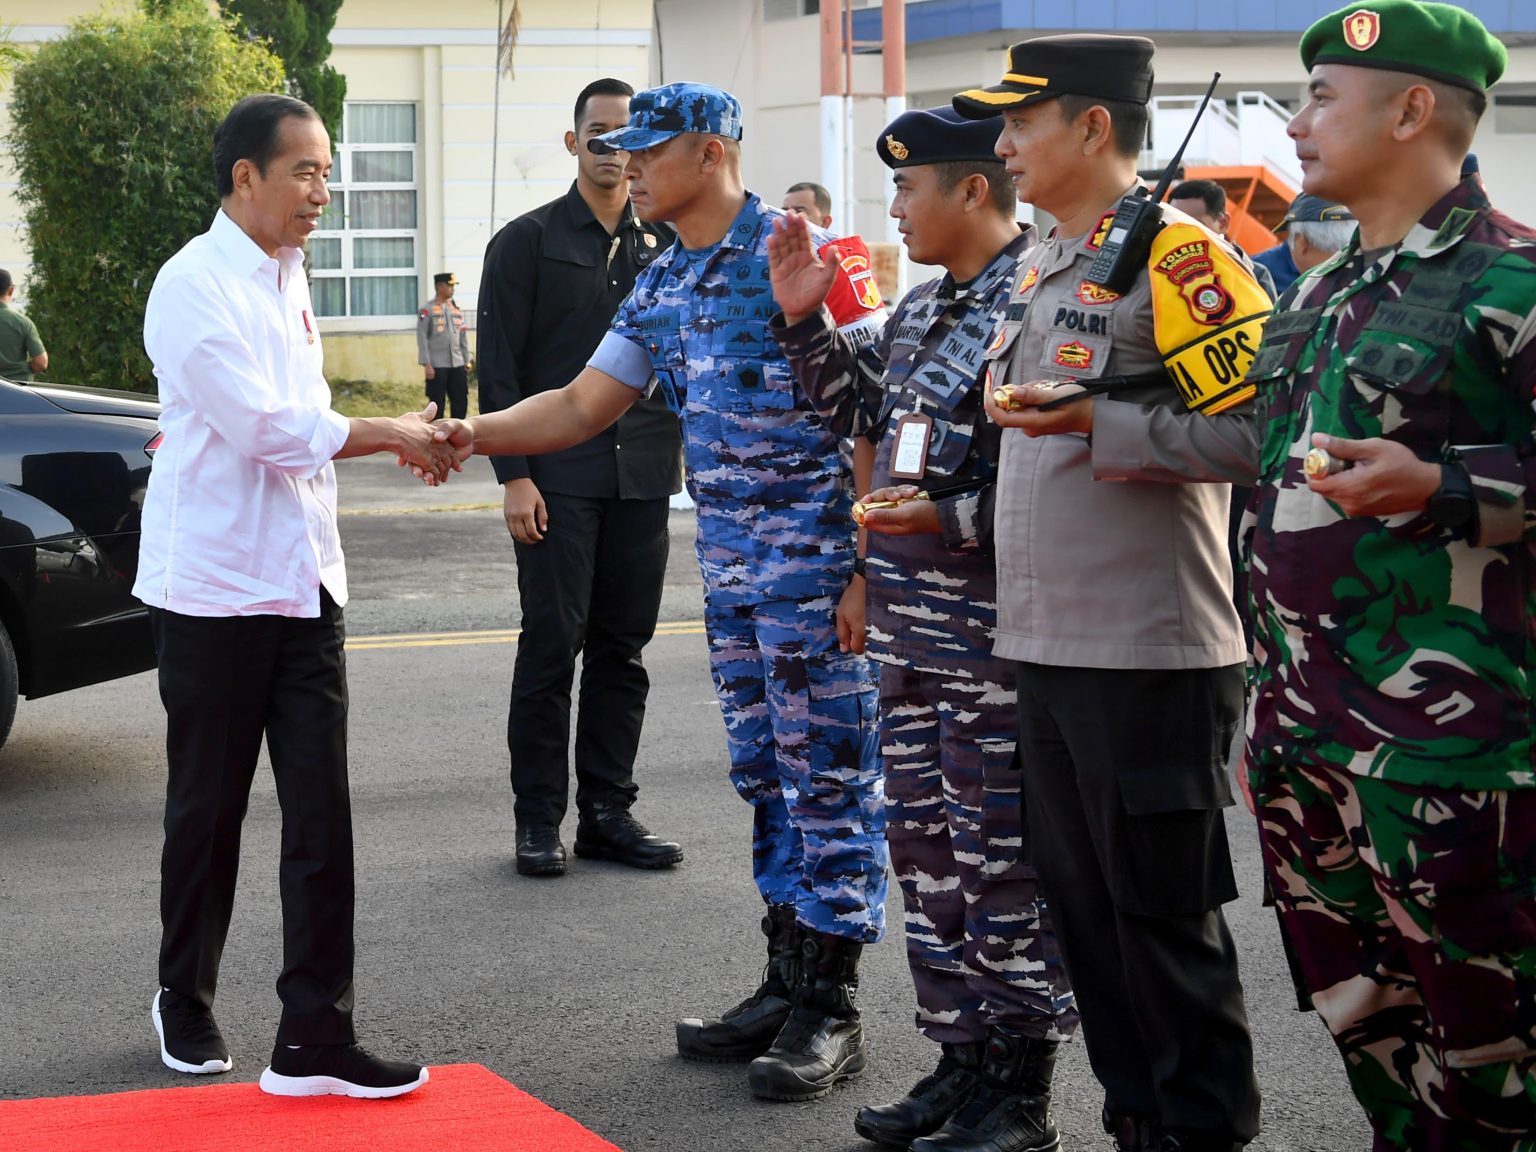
x: 803, y: 738
x: 979, y: 939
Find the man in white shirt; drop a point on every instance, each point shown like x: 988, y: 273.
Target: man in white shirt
x: 242, y: 571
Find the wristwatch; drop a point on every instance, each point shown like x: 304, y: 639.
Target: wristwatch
x: 1453, y: 505
x: 859, y: 566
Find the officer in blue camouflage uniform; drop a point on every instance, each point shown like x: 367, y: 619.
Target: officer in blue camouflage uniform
x: 776, y: 548
x: 991, y: 988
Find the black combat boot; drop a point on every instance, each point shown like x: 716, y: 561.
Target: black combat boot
x: 748, y: 1029
x: 1010, y: 1109
x: 822, y: 1042
x: 931, y: 1102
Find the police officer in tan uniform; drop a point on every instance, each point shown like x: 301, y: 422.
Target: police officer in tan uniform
x: 1114, y: 589
x: 442, y: 349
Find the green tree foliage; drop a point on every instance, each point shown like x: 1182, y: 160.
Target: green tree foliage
x: 112, y: 136
x: 299, y: 32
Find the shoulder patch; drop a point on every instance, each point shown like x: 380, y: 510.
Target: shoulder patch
x: 1208, y: 317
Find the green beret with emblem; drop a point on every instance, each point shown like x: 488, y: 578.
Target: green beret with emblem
x: 1441, y: 41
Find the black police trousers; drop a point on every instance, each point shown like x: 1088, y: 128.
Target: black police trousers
x: 449, y: 388
x: 591, y: 587
x: 227, y: 681
x: 1124, y: 785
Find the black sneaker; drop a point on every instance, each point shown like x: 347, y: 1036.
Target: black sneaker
x: 338, y: 1070
x: 189, y: 1039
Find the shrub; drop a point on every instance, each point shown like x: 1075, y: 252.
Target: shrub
x: 112, y: 134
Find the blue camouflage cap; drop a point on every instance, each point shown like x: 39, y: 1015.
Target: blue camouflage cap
x: 658, y: 114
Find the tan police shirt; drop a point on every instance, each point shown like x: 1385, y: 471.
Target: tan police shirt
x: 441, y: 340
x: 1107, y: 557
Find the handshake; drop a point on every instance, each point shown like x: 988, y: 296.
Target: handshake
x: 431, y: 450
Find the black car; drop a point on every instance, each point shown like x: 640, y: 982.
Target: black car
x: 74, y: 463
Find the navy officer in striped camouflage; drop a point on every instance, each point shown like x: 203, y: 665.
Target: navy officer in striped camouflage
x: 776, y: 548
x: 991, y: 987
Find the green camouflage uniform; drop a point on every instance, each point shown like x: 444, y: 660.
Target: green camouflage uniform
x: 1390, y: 738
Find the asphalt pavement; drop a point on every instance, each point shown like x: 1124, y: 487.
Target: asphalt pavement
x: 567, y: 987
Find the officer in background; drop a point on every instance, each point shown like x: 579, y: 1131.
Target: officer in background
x: 589, y: 525
x: 442, y: 348
x: 21, y: 349
x: 1392, y: 572
x: 1312, y: 230
x: 991, y: 990
x: 1115, y: 597
x: 811, y: 201
x: 776, y: 549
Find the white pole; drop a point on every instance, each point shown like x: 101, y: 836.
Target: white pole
x: 894, y: 107
x: 850, y: 224
x: 832, y: 142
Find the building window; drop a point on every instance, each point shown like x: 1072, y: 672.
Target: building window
x: 362, y: 258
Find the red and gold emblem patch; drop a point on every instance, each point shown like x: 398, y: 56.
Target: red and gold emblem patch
x: 862, y: 277
x: 1074, y: 355
x: 1091, y: 293
x: 1029, y: 278
x: 1100, y: 231
x: 1362, y: 28
x: 1190, y: 267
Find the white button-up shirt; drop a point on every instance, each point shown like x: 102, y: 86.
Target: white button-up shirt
x: 240, y: 516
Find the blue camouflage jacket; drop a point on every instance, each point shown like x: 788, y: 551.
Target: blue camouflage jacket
x: 772, y: 485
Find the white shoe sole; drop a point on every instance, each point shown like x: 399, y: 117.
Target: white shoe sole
x: 174, y: 1064
x: 276, y: 1084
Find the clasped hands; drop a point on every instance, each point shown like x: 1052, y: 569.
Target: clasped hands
x: 432, y: 450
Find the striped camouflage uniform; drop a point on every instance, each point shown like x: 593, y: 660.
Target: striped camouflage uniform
x: 979, y: 940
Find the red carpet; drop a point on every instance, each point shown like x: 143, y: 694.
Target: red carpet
x: 463, y: 1108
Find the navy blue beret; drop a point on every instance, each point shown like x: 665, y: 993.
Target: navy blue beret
x: 936, y: 135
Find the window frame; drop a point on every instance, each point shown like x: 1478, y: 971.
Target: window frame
x: 342, y: 181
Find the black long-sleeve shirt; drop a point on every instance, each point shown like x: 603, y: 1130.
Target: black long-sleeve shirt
x: 553, y: 278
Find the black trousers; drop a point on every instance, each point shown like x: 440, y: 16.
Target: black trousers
x: 450, y: 386
x: 592, y: 586
x: 226, y: 682
x: 1124, y: 786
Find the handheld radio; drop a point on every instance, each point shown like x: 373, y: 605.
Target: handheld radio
x: 1137, y: 222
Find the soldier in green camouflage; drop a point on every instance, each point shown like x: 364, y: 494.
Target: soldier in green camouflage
x: 1392, y: 569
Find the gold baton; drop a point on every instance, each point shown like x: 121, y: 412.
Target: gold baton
x: 1320, y: 463
x: 1005, y: 397
x: 860, y: 508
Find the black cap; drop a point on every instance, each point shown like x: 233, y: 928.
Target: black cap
x: 1105, y: 67
x: 444, y: 278
x: 935, y: 135
x: 1310, y: 209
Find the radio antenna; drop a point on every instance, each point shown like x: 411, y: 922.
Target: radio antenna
x: 1173, y: 165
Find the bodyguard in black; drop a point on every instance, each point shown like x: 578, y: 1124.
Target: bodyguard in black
x: 589, y: 524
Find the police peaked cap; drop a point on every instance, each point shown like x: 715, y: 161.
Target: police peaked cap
x: 1100, y: 67
x: 935, y: 136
